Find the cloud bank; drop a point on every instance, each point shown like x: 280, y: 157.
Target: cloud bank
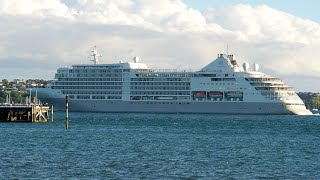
x: 37, y: 36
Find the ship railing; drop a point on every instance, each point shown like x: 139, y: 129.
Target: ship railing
x: 264, y: 79
x: 163, y: 70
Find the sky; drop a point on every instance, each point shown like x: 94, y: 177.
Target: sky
x: 282, y: 36
x: 305, y: 9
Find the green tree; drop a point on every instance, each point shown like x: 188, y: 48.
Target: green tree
x: 3, y: 96
x: 315, y: 102
x: 5, y: 81
x: 16, y: 97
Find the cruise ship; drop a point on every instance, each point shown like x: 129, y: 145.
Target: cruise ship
x: 221, y: 87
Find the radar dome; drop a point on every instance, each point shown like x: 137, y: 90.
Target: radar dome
x: 255, y: 67
x: 245, y: 66
x: 136, y: 59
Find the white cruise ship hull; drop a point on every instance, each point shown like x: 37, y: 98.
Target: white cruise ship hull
x: 221, y: 87
x: 174, y: 107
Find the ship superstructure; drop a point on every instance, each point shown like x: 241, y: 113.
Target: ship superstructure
x: 220, y: 87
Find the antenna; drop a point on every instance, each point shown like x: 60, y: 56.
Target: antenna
x: 30, y: 96
x: 227, y: 49
x: 36, y: 98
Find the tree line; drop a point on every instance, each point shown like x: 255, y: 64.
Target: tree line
x: 17, y: 89
x: 311, y: 100
x: 18, y: 93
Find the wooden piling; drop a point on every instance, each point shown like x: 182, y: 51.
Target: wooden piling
x: 51, y: 113
x: 67, y: 113
x: 34, y: 114
x: 40, y: 114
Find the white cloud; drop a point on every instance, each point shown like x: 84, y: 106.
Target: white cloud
x: 264, y: 23
x: 164, y: 33
x: 41, y: 8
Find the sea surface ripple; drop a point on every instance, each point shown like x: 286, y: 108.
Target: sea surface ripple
x: 162, y: 146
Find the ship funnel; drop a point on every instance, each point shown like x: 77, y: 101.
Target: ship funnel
x: 136, y: 59
x: 245, y: 66
x: 255, y: 67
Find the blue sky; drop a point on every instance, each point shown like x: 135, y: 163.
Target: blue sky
x: 308, y: 9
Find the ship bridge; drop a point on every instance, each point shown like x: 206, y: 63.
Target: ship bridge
x: 134, y: 65
x: 224, y: 63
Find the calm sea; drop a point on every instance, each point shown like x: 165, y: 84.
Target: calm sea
x: 162, y: 146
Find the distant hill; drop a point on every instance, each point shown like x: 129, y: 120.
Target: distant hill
x: 311, y: 100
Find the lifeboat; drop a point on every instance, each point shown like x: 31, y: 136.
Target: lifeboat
x: 199, y: 94
x: 164, y: 98
x: 136, y: 98
x: 215, y: 94
x: 234, y: 94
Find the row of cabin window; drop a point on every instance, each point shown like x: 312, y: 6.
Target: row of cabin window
x: 160, y: 83
x: 100, y: 97
x: 282, y: 94
x: 163, y: 75
x: 160, y: 88
x: 159, y: 93
x: 223, y: 79
x: 89, y: 92
x: 86, y: 87
x: 89, y: 79
x: 97, y: 75
x: 267, y: 84
x: 264, y: 79
x: 95, y: 71
x: 160, y: 79
x: 141, y: 102
x: 87, y: 83
x: 218, y: 84
x: 271, y: 88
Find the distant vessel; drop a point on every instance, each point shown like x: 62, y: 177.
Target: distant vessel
x: 220, y: 87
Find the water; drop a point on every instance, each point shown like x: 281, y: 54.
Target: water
x: 162, y: 146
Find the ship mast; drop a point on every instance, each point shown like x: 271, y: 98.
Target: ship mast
x: 95, y: 56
